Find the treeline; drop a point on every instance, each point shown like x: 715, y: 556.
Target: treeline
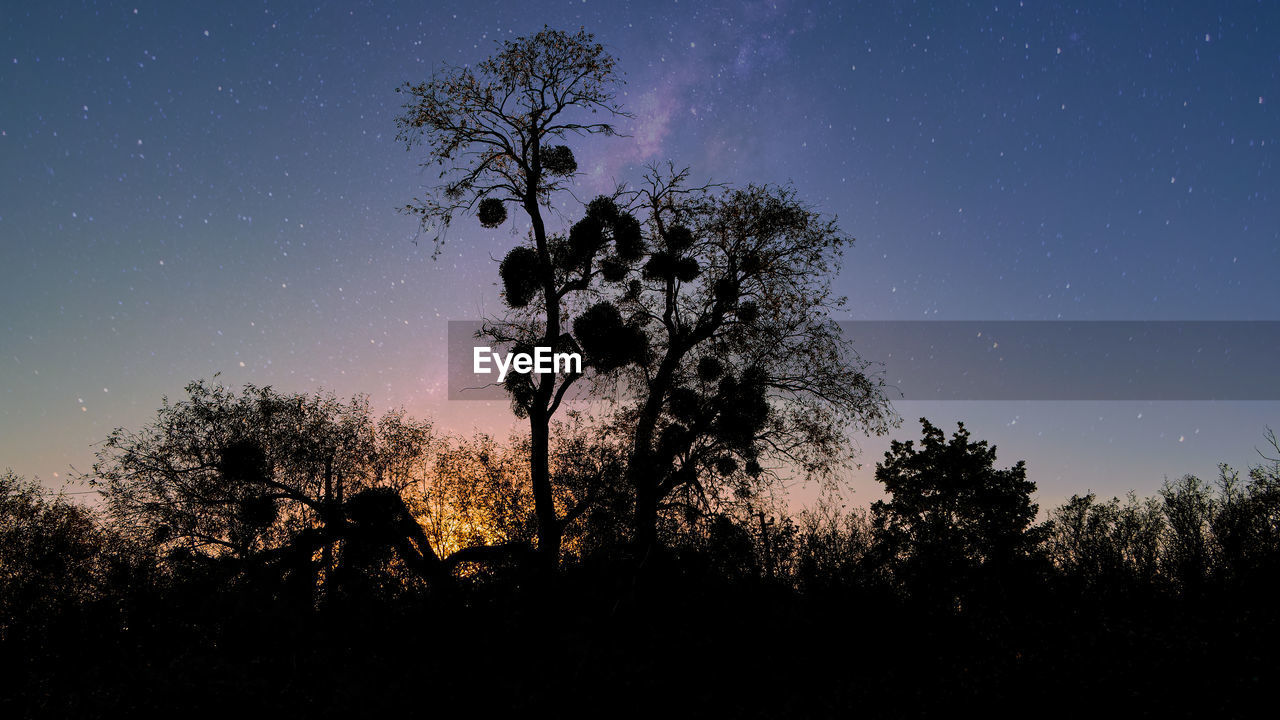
x: 297, y: 554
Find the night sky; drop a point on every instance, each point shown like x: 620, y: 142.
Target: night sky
x: 189, y: 190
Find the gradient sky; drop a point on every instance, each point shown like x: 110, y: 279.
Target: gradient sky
x: 187, y: 190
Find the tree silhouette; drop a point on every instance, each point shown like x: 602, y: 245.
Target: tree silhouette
x: 730, y: 365
x: 1188, y: 507
x: 713, y: 309
x: 1137, y: 590
x: 1109, y: 546
x: 1246, y: 520
x: 475, y: 494
x: 494, y: 131
x: 705, y: 317
x: 951, y: 512
x: 260, y: 474
x: 53, y: 558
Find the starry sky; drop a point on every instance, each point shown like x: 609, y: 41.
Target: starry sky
x: 189, y: 189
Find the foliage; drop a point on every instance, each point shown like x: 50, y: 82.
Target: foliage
x: 489, y: 128
x: 834, y: 547
x: 1107, y: 546
x: 476, y: 493
x: 496, y: 131
x: 730, y: 368
x: 262, y: 478
x: 1135, y: 590
x: 54, y: 556
x: 950, y: 512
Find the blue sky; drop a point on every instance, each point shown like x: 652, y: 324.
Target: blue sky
x: 188, y: 190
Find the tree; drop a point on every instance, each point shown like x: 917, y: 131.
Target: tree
x: 475, y: 500
x: 950, y: 511
x: 1246, y: 519
x: 712, y: 311
x: 476, y: 494
x: 494, y: 131
x: 832, y: 547
x: 731, y: 367
x: 255, y: 475
x: 53, y: 557
x: 1188, y: 508
x: 1228, y: 535
x: 1106, y: 547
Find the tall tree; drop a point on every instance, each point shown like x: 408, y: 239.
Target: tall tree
x: 494, y: 132
x: 729, y: 360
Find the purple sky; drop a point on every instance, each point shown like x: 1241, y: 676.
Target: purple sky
x: 192, y: 190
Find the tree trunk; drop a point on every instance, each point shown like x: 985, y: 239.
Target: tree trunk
x: 641, y: 473
x: 549, y: 535
x: 543, y: 499
x: 646, y: 506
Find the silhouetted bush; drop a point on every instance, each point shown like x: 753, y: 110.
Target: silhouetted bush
x: 1099, y: 604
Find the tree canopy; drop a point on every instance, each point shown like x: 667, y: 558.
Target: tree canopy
x: 709, y: 309
x: 729, y: 362
x: 950, y: 511
x: 491, y: 129
x: 495, y: 133
x: 221, y: 475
